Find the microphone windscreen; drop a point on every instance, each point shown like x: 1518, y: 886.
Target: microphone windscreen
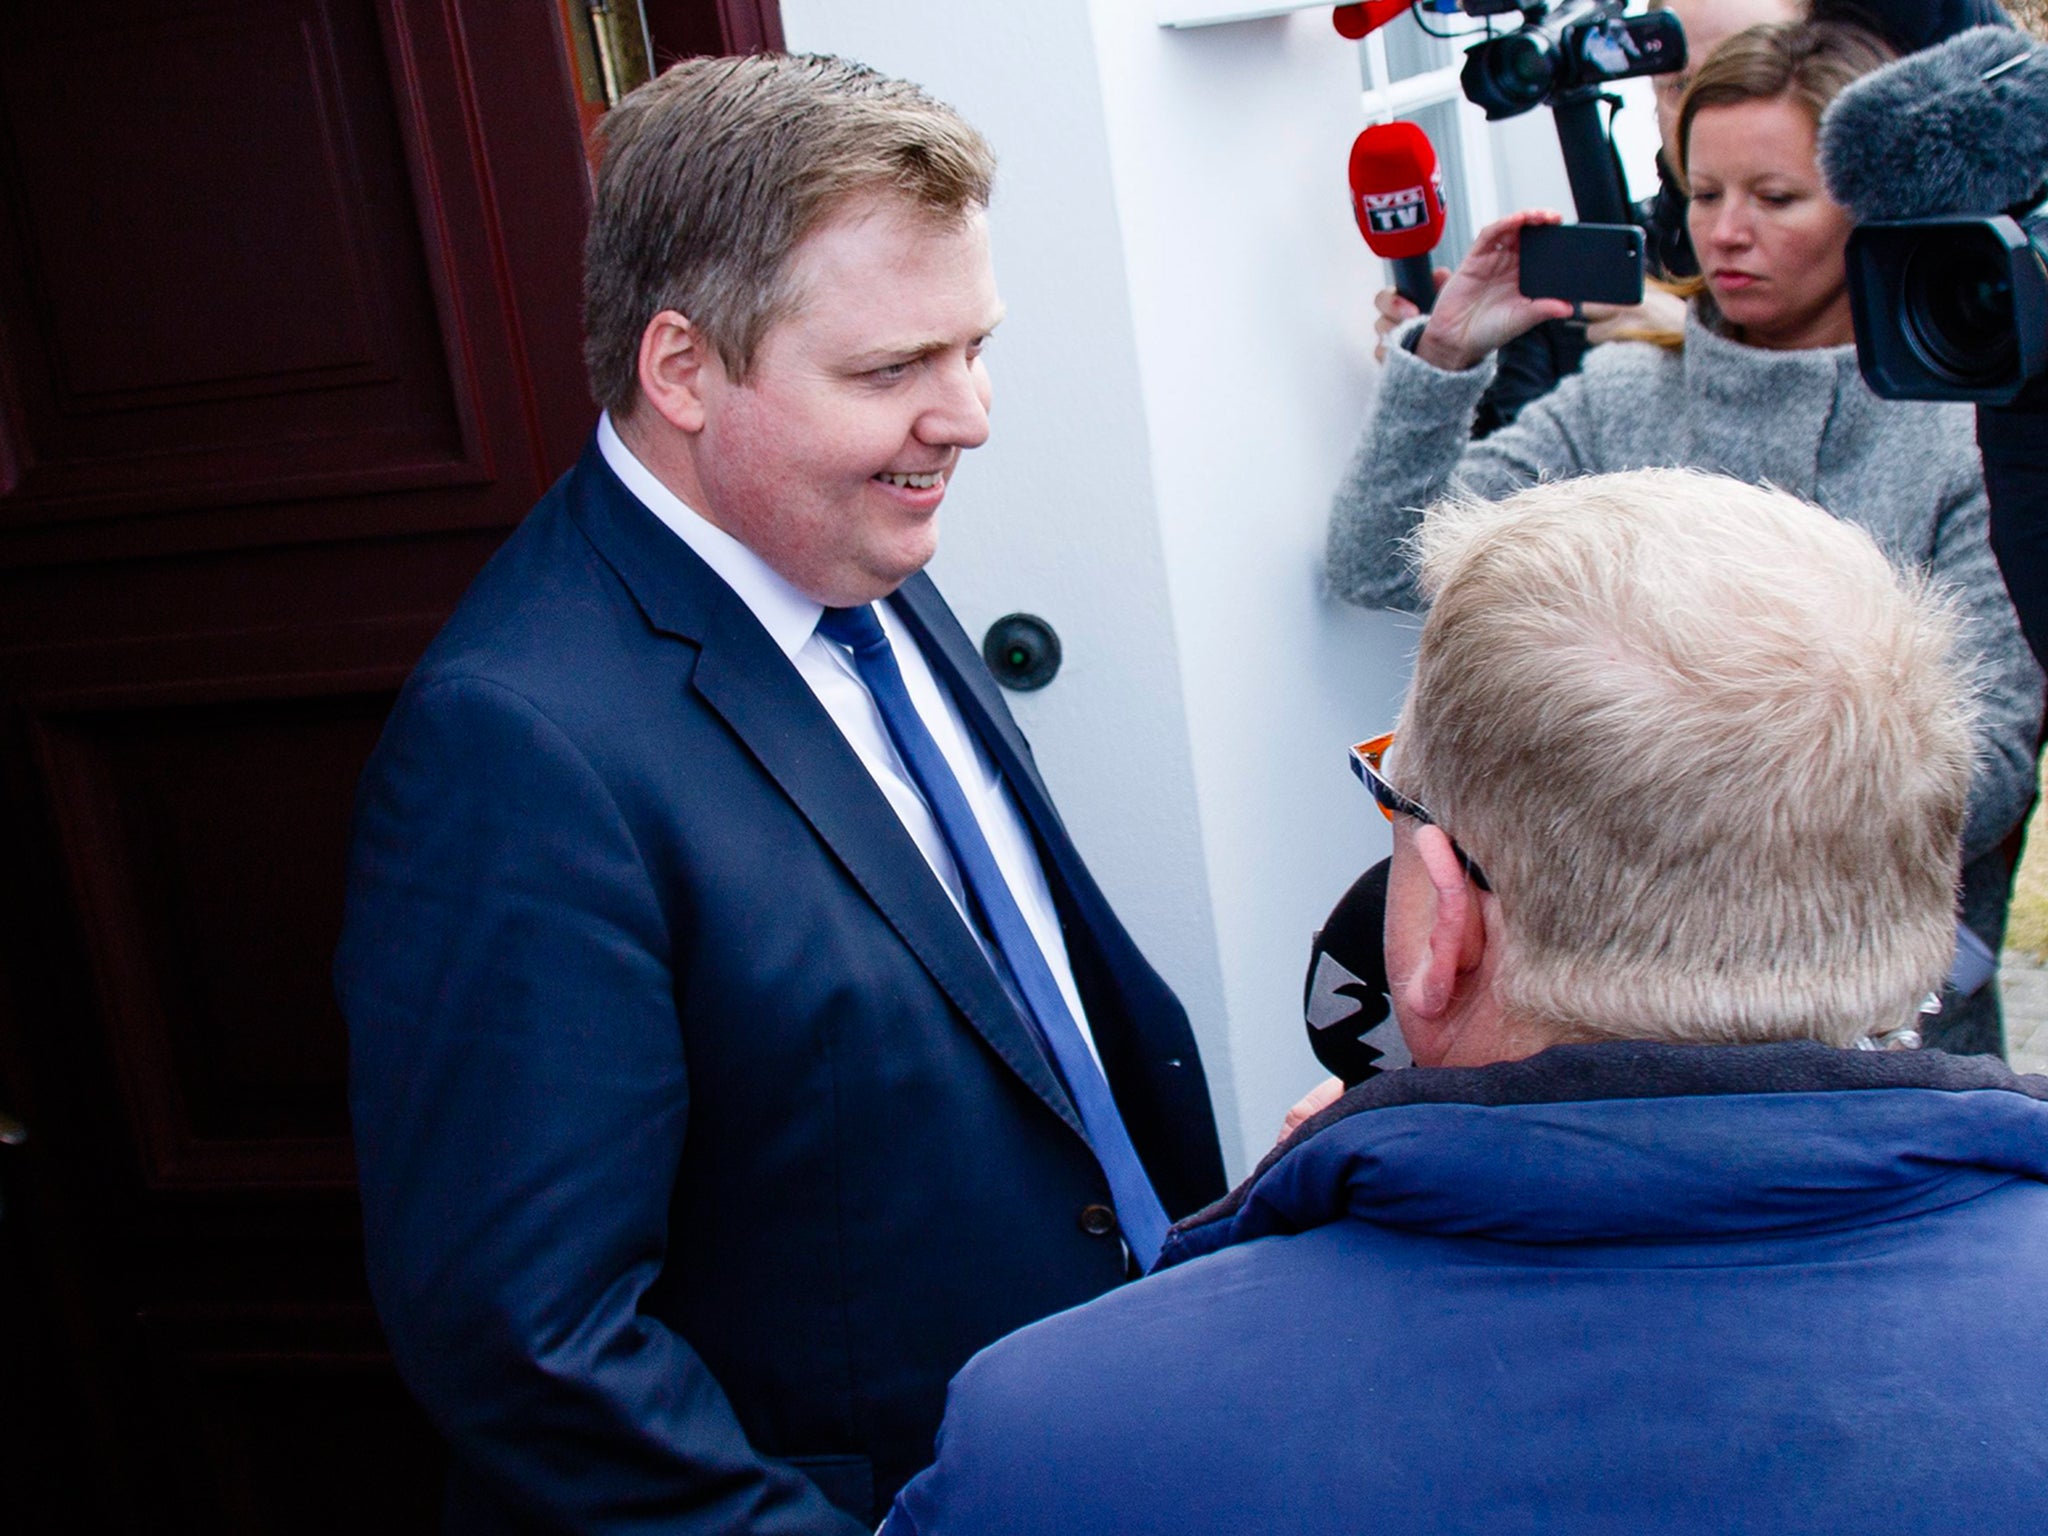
x: 1930, y: 135
x: 1396, y: 190
x: 1351, y: 1025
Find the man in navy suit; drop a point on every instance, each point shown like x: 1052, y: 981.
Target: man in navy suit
x: 738, y: 1042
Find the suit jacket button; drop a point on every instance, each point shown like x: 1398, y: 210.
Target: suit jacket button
x: 1098, y: 1220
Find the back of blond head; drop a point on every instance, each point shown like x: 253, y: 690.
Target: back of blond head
x: 1711, y: 749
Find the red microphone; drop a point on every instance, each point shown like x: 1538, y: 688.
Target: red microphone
x: 1355, y: 21
x: 1398, y: 196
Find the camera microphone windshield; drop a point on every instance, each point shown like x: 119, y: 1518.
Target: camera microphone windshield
x: 1958, y: 129
x: 1943, y: 158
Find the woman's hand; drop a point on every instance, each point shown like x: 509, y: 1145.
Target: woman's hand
x: 1481, y: 308
x: 1660, y: 313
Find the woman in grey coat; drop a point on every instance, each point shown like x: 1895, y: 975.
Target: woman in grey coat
x: 1763, y: 386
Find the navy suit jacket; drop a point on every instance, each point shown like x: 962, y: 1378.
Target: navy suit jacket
x: 699, y: 1144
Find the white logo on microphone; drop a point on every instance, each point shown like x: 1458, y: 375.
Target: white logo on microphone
x: 1393, y: 213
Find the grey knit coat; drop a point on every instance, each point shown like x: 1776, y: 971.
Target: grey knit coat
x: 1803, y: 421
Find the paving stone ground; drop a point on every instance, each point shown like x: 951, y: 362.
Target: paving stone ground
x: 2023, y: 984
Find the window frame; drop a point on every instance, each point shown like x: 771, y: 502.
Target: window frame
x: 1469, y: 171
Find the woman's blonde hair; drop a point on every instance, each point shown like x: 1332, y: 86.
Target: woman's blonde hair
x: 1808, y: 62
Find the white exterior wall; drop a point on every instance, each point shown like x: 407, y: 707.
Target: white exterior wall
x: 1250, y: 291
x: 1185, y: 363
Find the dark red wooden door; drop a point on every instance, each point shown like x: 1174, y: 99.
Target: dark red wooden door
x: 289, y: 300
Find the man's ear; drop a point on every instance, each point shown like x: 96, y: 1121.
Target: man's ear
x: 678, y: 367
x: 1457, y: 929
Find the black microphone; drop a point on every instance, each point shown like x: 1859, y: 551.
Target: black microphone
x: 1958, y: 129
x: 1351, y: 1025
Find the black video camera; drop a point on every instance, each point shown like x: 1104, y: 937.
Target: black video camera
x: 1565, y: 47
x: 1943, y: 158
x: 1952, y: 309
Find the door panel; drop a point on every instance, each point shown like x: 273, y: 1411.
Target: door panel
x: 281, y: 1403
x: 202, y: 842
x: 289, y: 339
x: 304, y: 270
x: 276, y: 331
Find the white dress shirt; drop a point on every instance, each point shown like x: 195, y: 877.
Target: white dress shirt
x: 791, y: 619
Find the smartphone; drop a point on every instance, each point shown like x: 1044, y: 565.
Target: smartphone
x: 1583, y: 263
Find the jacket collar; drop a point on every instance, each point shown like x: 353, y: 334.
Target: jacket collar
x: 1635, y: 1140
x: 1733, y: 369
x: 1808, y: 391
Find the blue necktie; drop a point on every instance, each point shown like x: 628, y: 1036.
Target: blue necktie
x: 1139, y: 1213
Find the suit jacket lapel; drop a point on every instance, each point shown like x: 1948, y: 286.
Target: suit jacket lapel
x: 749, y: 683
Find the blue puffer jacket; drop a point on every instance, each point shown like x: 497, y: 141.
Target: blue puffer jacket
x: 1612, y: 1289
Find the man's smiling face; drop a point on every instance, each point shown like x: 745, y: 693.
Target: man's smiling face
x: 831, y: 458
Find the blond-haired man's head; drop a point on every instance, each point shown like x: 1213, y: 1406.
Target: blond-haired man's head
x: 1711, y: 752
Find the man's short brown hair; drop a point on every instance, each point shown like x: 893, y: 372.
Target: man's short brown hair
x: 714, y: 172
